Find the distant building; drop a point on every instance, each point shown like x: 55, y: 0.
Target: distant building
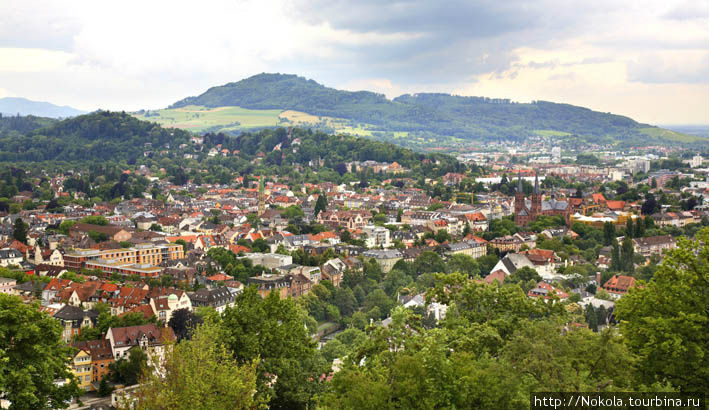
x: 527, y: 211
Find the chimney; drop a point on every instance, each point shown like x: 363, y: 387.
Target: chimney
x: 598, y: 279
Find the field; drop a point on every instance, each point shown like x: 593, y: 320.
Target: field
x: 551, y: 133
x: 199, y: 119
x: 672, y: 135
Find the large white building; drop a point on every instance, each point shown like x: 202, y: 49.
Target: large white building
x: 377, y: 236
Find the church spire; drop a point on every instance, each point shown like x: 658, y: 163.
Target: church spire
x: 536, y: 183
x: 519, y: 182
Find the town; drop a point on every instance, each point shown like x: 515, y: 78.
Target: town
x: 128, y: 275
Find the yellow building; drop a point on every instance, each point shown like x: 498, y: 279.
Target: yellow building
x: 81, y: 368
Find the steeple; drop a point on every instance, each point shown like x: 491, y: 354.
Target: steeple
x: 519, y: 182
x: 536, y: 183
x: 552, y: 192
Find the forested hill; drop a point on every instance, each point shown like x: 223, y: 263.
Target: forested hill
x: 105, y: 137
x: 101, y: 135
x: 442, y: 117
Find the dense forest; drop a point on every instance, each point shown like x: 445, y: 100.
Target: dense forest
x: 101, y: 135
x: 438, y: 115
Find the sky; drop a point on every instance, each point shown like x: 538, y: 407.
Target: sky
x: 647, y: 59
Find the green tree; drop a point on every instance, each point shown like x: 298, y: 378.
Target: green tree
x: 523, y: 275
x: 273, y: 330
x: 95, y: 220
x: 128, y: 371
x: 428, y: 262
x: 321, y: 203
x: 379, y: 299
x: 33, y: 357
x: 609, y: 234
x: 201, y: 373
x: 464, y: 264
x: 627, y: 253
x: 19, y: 231
x: 65, y: 226
x: 665, y: 320
x: 582, y: 360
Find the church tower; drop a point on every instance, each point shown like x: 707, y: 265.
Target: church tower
x: 536, y: 209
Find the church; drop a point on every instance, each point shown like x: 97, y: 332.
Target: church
x: 527, y: 211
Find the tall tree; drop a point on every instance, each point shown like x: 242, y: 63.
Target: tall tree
x: 321, y: 203
x: 608, y: 233
x: 33, y: 357
x: 200, y: 373
x: 626, y: 255
x: 19, y: 231
x: 665, y: 320
x: 273, y: 330
x: 183, y: 322
x: 649, y: 205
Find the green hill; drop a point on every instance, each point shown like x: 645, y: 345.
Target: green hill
x: 423, y: 120
x: 101, y: 135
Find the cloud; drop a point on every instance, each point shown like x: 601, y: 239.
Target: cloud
x: 677, y: 67
x: 148, y: 54
x: 689, y: 10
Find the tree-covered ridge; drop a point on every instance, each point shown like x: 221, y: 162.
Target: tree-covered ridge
x: 278, y: 148
x: 17, y: 124
x: 442, y: 116
x: 101, y: 135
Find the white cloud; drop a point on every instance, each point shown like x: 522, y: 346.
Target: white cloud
x: 630, y: 57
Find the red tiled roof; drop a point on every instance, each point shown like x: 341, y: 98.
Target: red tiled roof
x: 498, y: 275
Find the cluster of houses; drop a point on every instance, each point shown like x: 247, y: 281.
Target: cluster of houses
x: 147, y: 240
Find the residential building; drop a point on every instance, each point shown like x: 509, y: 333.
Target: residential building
x: 385, y: 258
x: 218, y: 298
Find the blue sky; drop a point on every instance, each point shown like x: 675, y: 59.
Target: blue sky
x: 646, y: 59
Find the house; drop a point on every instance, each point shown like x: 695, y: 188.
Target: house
x: 150, y: 338
x: 73, y: 319
x: 377, y: 236
x: 81, y: 368
x: 333, y: 270
x: 267, y: 283
x: 654, y: 244
x: 112, y: 232
x: 385, y: 258
x: 165, y: 305
x: 101, y: 357
x: 546, y: 291
x: 618, y: 285
x: 470, y: 248
x: 495, y: 276
x: 218, y: 298
x: 507, y: 243
x: 10, y: 257
x: 511, y: 262
x: 7, y: 286
x: 545, y: 261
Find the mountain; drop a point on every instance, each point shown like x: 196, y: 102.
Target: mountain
x: 15, y: 105
x: 426, y: 120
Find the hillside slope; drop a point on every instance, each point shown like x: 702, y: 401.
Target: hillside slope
x: 437, y: 119
x: 101, y: 135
